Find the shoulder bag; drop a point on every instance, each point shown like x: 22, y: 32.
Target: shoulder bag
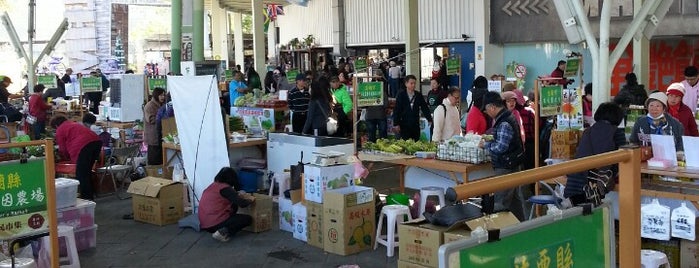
x: 331, y: 122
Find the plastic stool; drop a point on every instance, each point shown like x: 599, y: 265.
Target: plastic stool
x: 68, y: 235
x: 430, y: 191
x: 284, y: 181
x: 653, y: 259
x: 394, y: 214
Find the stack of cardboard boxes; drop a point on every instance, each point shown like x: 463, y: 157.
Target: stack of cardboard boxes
x: 419, y: 240
x: 564, y: 143
x: 330, y: 212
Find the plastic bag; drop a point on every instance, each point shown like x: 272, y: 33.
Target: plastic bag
x: 683, y: 222
x: 655, y: 221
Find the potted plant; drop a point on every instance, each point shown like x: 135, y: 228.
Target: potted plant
x: 309, y: 40
x: 294, y: 43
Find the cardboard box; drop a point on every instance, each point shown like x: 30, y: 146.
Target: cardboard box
x: 405, y: 264
x: 314, y: 223
x: 285, y: 210
x: 494, y: 221
x: 565, y: 137
x: 159, y: 171
x: 157, y: 201
x: 261, y: 212
x: 349, y: 220
x: 319, y: 179
x: 566, y: 151
x: 689, y: 254
x: 299, y: 214
x: 671, y: 248
x: 455, y: 235
x: 419, y: 242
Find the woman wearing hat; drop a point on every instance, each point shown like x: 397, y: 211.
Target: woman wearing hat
x: 681, y: 111
x: 657, y: 121
x: 510, y: 99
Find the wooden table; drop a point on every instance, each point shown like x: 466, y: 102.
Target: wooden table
x: 452, y: 168
x: 692, y: 173
x: 258, y: 142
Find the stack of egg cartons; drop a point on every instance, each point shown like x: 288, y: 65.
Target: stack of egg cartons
x: 76, y: 212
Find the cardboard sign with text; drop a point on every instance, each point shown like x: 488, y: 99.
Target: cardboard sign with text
x: 349, y: 220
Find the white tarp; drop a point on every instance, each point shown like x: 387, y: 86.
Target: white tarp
x: 199, y: 128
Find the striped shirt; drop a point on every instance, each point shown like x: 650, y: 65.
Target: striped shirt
x: 298, y: 100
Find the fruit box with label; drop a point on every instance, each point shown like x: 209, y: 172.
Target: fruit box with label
x: 349, y: 220
x: 314, y: 223
x: 285, y: 210
x: 419, y: 241
x: 261, y: 212
x: 157, y: 201
x: 299, y: 218
x: 319, y: 179
x: 568, y: 136
x: 563, y: 151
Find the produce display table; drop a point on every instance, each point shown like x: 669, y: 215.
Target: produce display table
x: 681, y: 187
x: 452, y: 168
x: 261, y: 143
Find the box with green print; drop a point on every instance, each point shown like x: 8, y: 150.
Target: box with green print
x: 254, y: 117
x: 319, y: 179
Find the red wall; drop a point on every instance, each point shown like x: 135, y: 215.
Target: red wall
x: 668, y: 58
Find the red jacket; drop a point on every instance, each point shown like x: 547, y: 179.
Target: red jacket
x: 686, y: 118
x: 476, y: 122
x: 37, y: 107
x: 213, y: 207
x: 71, y: 137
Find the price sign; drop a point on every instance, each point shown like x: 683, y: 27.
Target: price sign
x: 48, y: 80
x: 550, y: 99
x: 370, y: 94
x: 359, y: 64
x: 291, y: 75
x: 90, y: 84
x: 453, y: 66
x: 23, y: 200
x: 572, y: 67
x: 156, y: 81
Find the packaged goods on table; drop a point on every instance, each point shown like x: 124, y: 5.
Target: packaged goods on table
x: 463, y: 149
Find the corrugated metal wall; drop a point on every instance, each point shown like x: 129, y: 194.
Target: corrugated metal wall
x: 381, y: 21
x: 299, y: 22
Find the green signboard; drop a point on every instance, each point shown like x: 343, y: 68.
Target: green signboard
x: 291, y: 75
x: 156, y: 81
x: 90, y: 84
x: 359, y: 64
x: 48, y: 80
x: 229, y: 75
x: 370, y: 94
x: 572, y: 67
x: 550, y: 99
x: 576, y: 240
x: 453, y: 66
x: 23, y: 199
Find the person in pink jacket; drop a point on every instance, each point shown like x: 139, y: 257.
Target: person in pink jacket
x: 679, y: 110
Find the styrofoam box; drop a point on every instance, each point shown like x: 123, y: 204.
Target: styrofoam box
x: 85, y: 238
x: 66, y: 192
x: 299, y: 218
x: 80, y: 216
x: 285, y: 214
x: 318, y: 179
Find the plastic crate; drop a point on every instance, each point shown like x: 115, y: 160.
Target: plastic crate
x: 80, y: 216
x: 86, y: 238
x: 454, y: 152
x: 66, y: 192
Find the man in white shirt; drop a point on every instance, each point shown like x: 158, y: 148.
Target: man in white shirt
x: 446, y: 118
x: 394, y: 74
x: 691, y: 88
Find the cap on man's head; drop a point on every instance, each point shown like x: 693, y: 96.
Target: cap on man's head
x: 300, y: 77
x: 276, y: 71
x: 676, y: 89
x: 7, y: 79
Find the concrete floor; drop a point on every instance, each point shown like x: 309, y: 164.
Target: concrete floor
x: 126, y: 243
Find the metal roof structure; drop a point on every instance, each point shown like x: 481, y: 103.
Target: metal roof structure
x: 245, y: 6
